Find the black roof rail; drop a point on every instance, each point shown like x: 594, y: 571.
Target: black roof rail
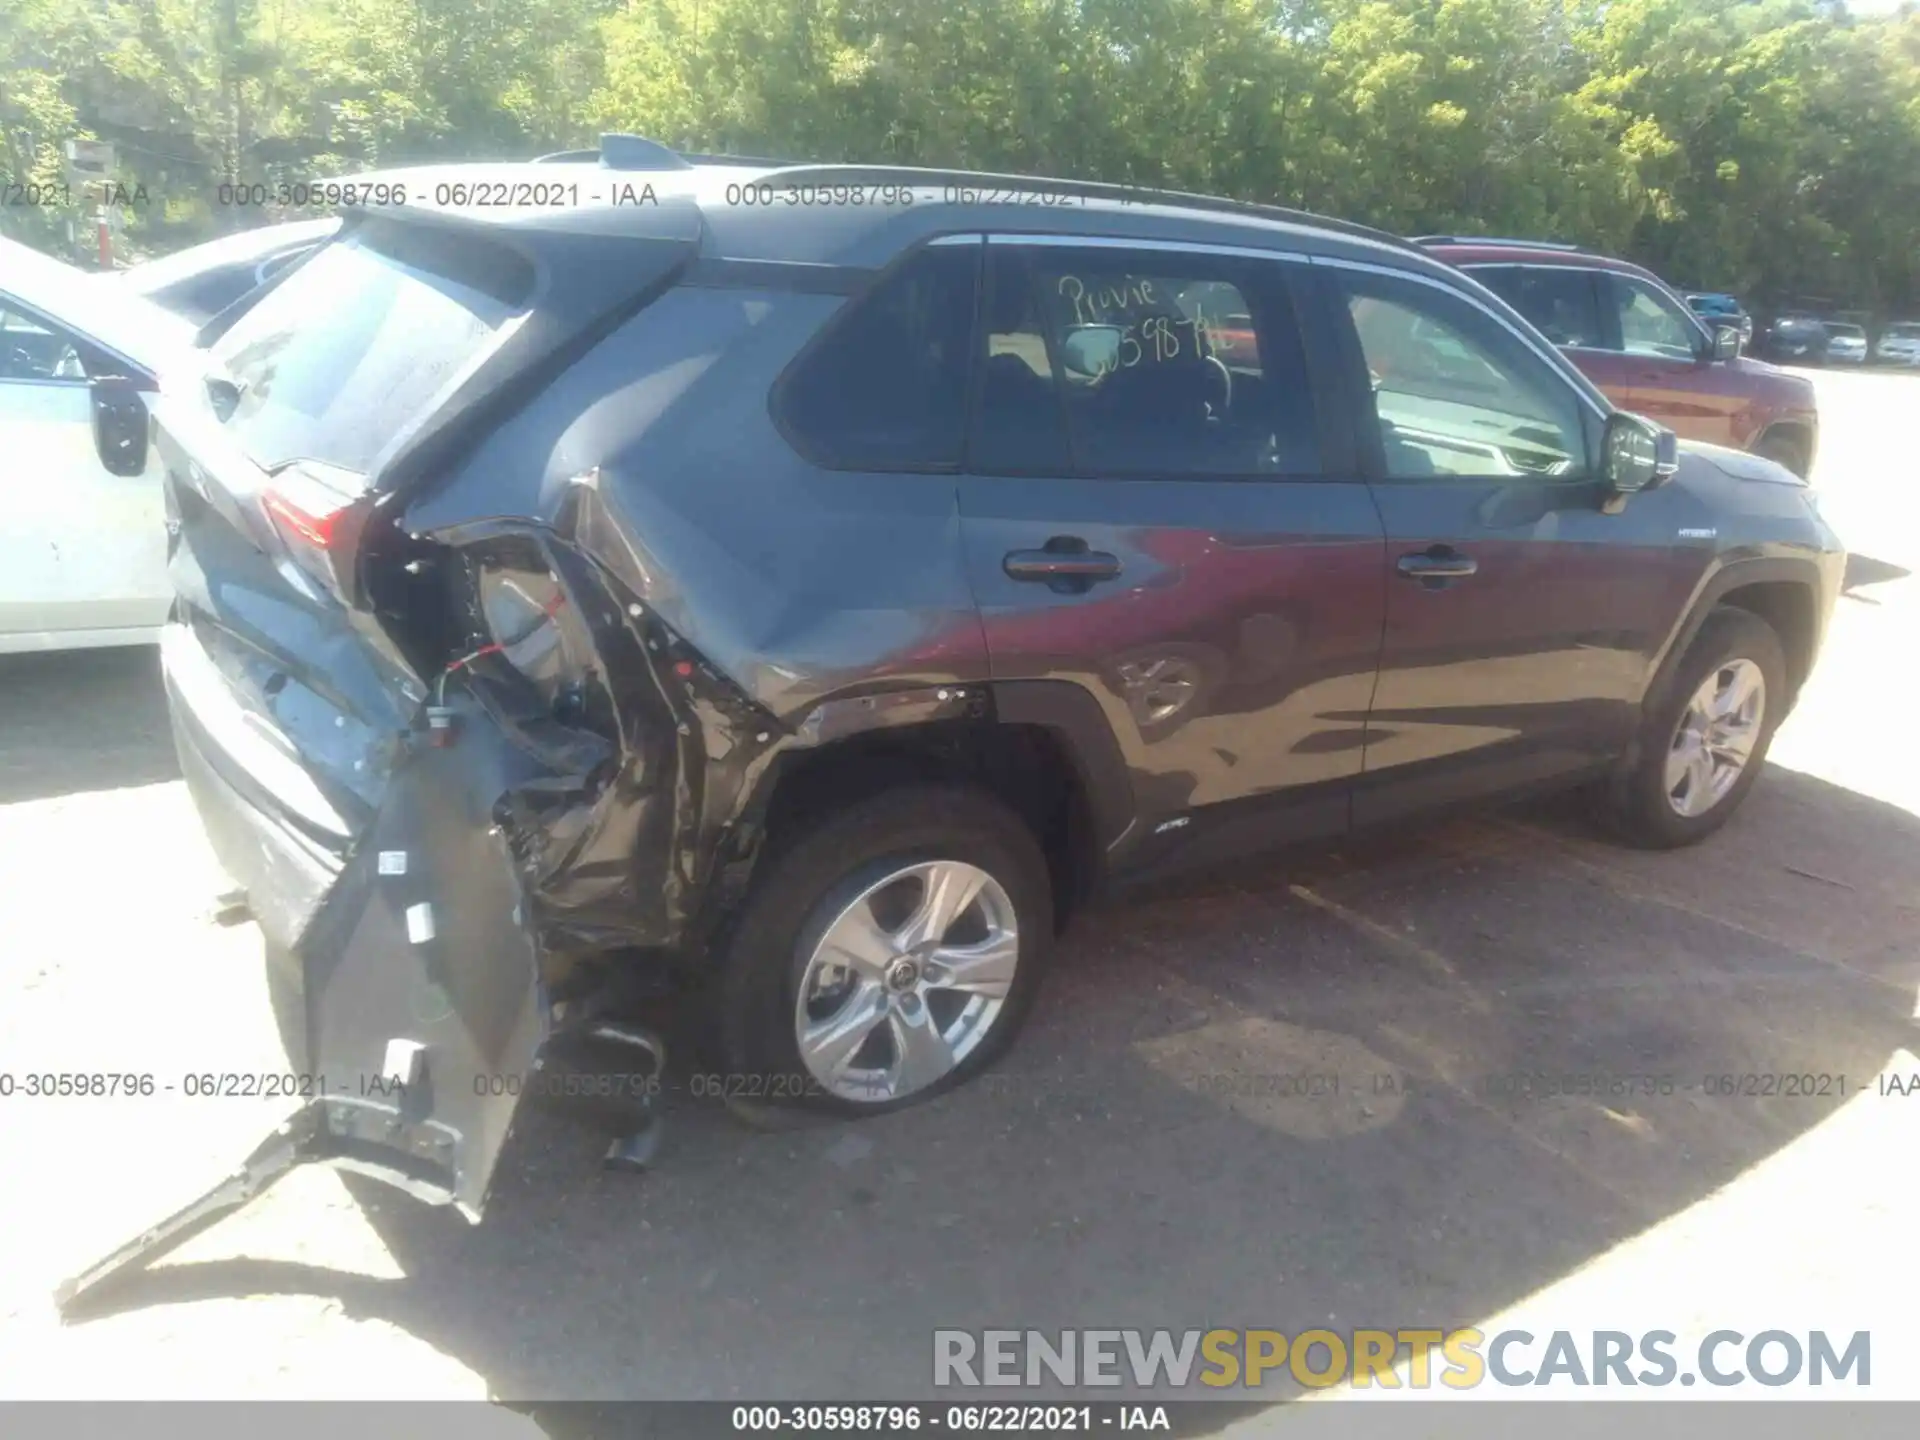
x: 1090, y: 189
x: 761, y: 160
x: 1495, y: 240
x: 621, y: 152
x: 590, y: 157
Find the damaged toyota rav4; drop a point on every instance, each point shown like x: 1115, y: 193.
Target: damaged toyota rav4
x: 815, y: 603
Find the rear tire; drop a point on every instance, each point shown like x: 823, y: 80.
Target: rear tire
x: 1684, y: 784
x: 846, y: 931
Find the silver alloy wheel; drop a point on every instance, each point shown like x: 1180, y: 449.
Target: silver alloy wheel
x: 907, y: 980
x: 1715, y: 737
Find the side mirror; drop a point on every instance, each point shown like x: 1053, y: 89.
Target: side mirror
x: 1090, y: 351
x: 1726, y: 339
x: 1636, y: 455
x: 119, y: 424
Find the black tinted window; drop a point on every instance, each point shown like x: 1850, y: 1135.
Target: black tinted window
x: 204, y: 296
x: 1020, y: 427
x: 1162, y: 362
x: 886, y: 387
x: 1560, y: 304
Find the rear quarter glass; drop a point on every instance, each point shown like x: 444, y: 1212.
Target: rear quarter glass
x: 334, y: 364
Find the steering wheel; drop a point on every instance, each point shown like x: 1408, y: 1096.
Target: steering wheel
x: 1226, y: 387
x: 22, y: 363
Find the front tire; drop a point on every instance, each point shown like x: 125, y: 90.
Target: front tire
x: 887, y: 954
x: 1705, y: 736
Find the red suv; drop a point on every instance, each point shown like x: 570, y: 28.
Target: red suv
x: 1638, y: 341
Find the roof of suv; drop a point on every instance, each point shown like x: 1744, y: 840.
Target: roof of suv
x: 1479, y: 250
x: 847, y: 214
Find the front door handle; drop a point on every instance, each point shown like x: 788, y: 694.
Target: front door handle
x: 1439, y: 563
x: 1064, y: 563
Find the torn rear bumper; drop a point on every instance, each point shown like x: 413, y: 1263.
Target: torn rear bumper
x: 403, y: 967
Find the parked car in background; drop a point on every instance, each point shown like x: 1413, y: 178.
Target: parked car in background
x: 1846, y: 343
x: 1714, y: 305
x: 1899, y: 344
x: 820, y: 603
x: 199, y: 282
x: 83, y: 536
x: 1642, y: 345
x: 1797, y: 339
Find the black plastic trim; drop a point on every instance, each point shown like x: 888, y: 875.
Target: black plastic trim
x: 1073, y: 714
x: 802, y: 277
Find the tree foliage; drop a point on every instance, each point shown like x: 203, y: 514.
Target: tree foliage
x: 1766, y: 146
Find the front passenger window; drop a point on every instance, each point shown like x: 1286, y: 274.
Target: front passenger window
x: 1454, y: 391
x: 1650, y: 323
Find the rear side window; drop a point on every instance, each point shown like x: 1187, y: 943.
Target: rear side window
x: 1560, y: 304
x: 885, y: 386
x: 337, y: 362
x: 204, y: 296
x: 1148, y: 363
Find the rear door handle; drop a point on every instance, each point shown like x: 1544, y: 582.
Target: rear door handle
x: 1439, y: 563
x: 1065, y: 558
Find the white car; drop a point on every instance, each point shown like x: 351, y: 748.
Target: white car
x: 199, y: 282
x: 82, y: 548
x: 1846, y: 344
x: 1899, y: 344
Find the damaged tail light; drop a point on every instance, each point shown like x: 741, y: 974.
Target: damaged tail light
x: 319, y: 512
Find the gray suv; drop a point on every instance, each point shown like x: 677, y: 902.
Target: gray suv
x: 814, y: 583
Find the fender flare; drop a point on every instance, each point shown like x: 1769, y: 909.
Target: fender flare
x: 1715, y: 585
x: 1087, y: 738
x: 1066, y: 710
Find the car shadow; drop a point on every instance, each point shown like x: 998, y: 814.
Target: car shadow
x: 1335, y: 1089
x: 1864, y: 570
x: 80, y: 720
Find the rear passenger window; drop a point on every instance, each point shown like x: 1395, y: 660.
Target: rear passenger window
x: 886, y: 386
x: 1021, y: 428
x: 1150, y: 363
x: 1560, y: 304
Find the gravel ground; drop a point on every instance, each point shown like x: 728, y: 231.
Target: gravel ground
x: 1087, y: 1182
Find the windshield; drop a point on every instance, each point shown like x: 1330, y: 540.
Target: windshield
x: 73, y: 298
x: 1903, y: 332
x: 1847, y: 332
x: 334, y: 364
